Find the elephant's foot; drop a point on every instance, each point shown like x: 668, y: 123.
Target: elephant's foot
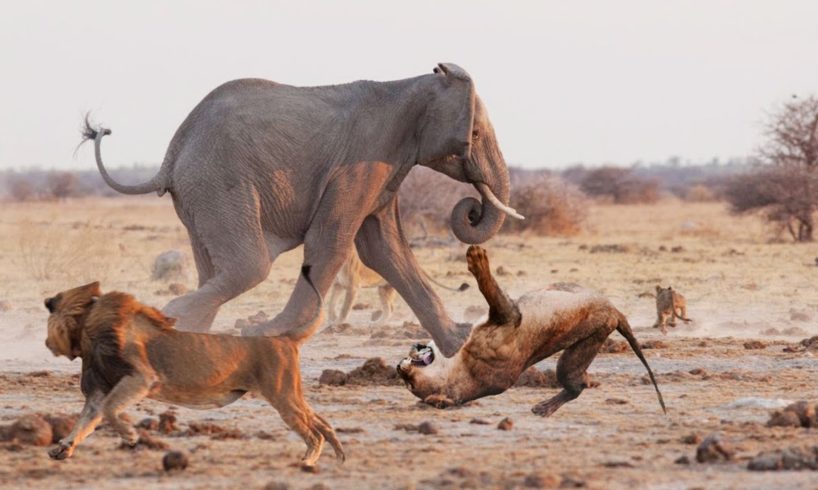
x: 267, y: 329
x: 190, y: 314
x: 454, y: 339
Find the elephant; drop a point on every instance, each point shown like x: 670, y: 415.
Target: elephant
x: 259, y: 168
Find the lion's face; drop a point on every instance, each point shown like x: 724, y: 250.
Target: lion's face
x: 65, y: 320
x: 424, y: 371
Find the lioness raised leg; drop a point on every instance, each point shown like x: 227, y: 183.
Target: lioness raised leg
x: 501, y: 308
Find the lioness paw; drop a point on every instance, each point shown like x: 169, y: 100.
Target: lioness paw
x: 438, y: 401
x: 477, y: 259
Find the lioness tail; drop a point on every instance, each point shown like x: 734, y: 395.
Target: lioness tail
x: 624, y: 329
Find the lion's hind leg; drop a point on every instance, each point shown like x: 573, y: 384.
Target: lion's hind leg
x: 571, y: 370
x: 285, y: 395
x: 329, y: 434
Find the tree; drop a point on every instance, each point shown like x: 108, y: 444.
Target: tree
x: 620, y: 185
x: 61, y: 184
x: 785, y: 187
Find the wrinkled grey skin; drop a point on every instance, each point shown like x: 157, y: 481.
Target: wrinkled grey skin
x: 259, y: 167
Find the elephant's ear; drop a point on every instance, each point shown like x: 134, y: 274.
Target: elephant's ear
x: 446, y: 127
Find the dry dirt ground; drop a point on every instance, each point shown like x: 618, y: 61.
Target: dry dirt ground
x: 739, y: 286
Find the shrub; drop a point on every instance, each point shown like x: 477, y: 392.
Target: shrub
x: 619, y: 185
x: 550, y: 206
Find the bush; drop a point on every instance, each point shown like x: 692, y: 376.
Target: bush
x: 550, y: 206
x: 20, y: 189
x: 61, y: 185
x: 619, y: 185
x: 700, y: 193
x: 785, y: 195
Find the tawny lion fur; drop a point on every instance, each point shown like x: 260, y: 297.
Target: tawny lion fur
x: 131, y: 351
x: 517, y: 335
x: 670, y: 305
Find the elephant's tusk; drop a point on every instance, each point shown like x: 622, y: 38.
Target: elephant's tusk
x: 487, y: 194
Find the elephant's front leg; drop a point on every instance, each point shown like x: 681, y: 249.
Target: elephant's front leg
x: 383, y: 247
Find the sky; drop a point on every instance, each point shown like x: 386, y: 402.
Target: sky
x: 564, y: 82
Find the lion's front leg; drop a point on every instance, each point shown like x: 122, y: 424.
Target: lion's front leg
x: 88, y: 420
x: 502, y: 309
x: 128, y: 391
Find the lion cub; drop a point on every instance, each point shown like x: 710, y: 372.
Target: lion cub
x: 130, y: 351
x: 670, y: 305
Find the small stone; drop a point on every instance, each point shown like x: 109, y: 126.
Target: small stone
x: 170, y: 265
x: 542, y: 480
x: 29, y: 429
x: 755, y: 344
x: 61, y: 425
x: 427, y: 428
x: 332, y: 377
x: 174, y: 460
x: 682, y: 460
x: 276, y: 485
x: 784, y: 418
x: 148, y: 423
x: 177, y: 288
x: 477, y: 421
x: 505, y: 424
x: 714, y: 449
x: 167, y: 422
x: 502, y: 271
x: 691, y: 439
x: 805, y: 411
x: 800, y: 315
x: 654, y: 344
x: 616, y: 401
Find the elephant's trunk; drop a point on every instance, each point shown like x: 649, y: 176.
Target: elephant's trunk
x: 473, y: 221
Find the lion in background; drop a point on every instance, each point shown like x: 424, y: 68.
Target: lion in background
x: 354, y: 275
x: 670, y: 305
x: 131, y: 351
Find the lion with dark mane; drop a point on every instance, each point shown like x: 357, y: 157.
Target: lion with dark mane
x: 131, y: 351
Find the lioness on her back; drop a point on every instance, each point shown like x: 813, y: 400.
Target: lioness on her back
x: 517, y: 335
x: 131, y: 351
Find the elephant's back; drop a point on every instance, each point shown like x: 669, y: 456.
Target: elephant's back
x: 254, y: 118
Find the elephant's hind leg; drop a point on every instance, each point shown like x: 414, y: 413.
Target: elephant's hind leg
x: 229, y: 235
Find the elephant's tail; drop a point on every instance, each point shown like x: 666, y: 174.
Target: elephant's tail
x: 157, y: 184
x: 304, y: 331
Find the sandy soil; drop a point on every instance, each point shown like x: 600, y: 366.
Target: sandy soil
x: 739, y: 286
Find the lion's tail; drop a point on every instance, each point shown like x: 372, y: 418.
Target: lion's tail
x: 624, y: 329
x: 302, y: 332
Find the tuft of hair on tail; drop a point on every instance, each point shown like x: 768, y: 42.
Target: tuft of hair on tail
x: 624, y: 329
x: 89, y: 131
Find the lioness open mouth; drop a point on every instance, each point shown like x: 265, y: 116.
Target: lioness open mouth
x: 421, y: 355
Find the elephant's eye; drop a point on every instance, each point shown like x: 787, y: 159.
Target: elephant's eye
x: 475, y: 135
